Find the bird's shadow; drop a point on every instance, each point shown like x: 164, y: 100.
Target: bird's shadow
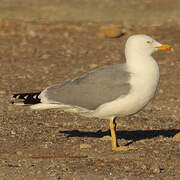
x: 128, y: 135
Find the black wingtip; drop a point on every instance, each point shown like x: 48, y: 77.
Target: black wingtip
x: 26, y: 98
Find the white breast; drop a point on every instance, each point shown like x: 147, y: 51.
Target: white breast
x: 144, y: 81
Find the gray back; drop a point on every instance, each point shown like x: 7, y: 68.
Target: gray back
x: 92, y: 89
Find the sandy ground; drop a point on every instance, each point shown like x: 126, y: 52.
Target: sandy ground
x: 141, y: 11
x: 53, y: 145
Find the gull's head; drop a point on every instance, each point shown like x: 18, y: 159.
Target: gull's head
x: 144, y: 45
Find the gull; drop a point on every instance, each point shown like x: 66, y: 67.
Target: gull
x: 107, y: 92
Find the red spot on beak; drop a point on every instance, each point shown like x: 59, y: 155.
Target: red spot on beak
x: 168, y: 49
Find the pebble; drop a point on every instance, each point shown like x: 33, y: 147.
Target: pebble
x: 144, y: 167
x: 45, y: 56
x: 92, y: 66
x: 66, y: 35
x: 177, y: 137
x: 2, y: 92
x: 156, y: 152
x: 85, y: 146
x: 19, y: 153
x: 161, y: 91
x: 110, y: 32
x: 13, y: 132
x: 2, y: 174
x: 10, y: 108
x: 32, y: 33
x: 106, y: 138
x: 45, y: 146
x: 83, y: 51
x: 127, y: 168
x: 172, y: 100
x: 155, y: 169
x: 68, y: 51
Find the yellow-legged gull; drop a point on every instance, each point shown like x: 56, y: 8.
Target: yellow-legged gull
x: 108, y: 91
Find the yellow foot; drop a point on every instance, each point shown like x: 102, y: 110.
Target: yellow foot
x: 123, y: 148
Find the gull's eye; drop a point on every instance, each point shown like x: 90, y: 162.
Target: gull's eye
x: 148, y: 42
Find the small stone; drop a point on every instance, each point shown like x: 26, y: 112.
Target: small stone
x: 10, y: 108
x: 172, y: 99
x: 161, y: 91
x: 66, y: 35
x: 2, y: 174
x: 156, y: 169
x: 93, y: 66
x: 53, y: 135
x: 85, y: 146
x: 68, y: 51
x: 47, y: 124
x: 110, y: 32
x: 45, y: 146
x: 106, y: 138
x: 83, y: 51
x: 32, y: 33
x: 144, y: 167
x: 13, y: 132
x: 2, y: 92
x: 155, y: 151
x: 19, y: 153
x: 151, y: 176
x: 127, y: 168
x: 177, y: 137
x: 45, y: 56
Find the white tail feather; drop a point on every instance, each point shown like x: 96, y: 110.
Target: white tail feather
x: 67, y: 108
x: 42, y: 106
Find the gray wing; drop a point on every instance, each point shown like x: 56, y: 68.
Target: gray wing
x: 89, y: 91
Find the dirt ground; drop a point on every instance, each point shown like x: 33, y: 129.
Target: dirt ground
x: 141, y: 11
x: 53, y: 145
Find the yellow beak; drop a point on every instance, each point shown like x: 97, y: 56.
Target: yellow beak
x: 165, y: 47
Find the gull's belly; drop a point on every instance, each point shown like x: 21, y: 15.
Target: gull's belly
x: 137, y: 99
x: 123, y: 106
x: 142, y: 91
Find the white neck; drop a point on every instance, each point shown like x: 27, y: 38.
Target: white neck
x: 141, y: 63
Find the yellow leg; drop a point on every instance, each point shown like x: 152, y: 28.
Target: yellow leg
x: 115, y: 146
